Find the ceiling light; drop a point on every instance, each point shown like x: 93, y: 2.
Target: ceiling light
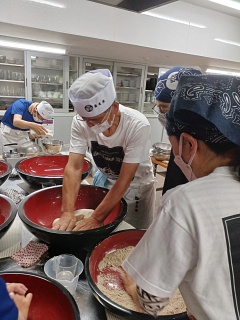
x: 173, y: 20
x: 228, y: 3
x: 228, y: 42
x: 33, y: 47
x: 224, y: 72
x: 49, y: 3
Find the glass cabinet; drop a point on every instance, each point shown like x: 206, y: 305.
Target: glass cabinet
x: 48, y: 79
x: 12, y: 77
x: 73, y: 75
x: 128, y: 81
x: 151, y: 82
x: 41, y: 76
x: 93, y: 64
x: 73, y: 69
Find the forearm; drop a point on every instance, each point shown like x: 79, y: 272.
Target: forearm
x: 150, y: 303
x: 22, y: 124
x: 113, y: 196
x: 70, y: 189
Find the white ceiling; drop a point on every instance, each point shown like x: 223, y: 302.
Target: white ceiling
x: 123, y: 52
x: 215, y: 7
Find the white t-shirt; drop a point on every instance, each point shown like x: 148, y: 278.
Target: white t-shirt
x: 194, y: 244
x: 130, y: 143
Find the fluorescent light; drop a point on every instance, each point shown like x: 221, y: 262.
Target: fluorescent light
x: 50, y: 3
x: 32, y: 47
x: 173, y: 20
x: 228, y: 3
x: 228, y: 42
x: 224, y: 72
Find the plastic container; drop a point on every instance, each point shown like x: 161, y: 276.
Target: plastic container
x: 65, y: 269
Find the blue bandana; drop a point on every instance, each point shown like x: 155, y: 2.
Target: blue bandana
x: 168, y: 82
x: 207, y: 107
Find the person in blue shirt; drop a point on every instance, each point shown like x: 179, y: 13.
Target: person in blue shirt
x: 21, y: 117
x: 14, y: 302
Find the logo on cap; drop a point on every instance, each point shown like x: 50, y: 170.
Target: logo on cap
x: 89, y: 108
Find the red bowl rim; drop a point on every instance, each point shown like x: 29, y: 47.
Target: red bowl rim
x: 12, y: 214
x: 114, y: 305
x: 9, y: 169
x: 49, y: 177
x: 60, y: 287
x: 51, y: 231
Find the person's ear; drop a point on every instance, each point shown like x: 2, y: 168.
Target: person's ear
x: 191, y: 142
x: 115, y: 107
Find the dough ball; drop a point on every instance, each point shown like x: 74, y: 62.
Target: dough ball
x: 83, y: 214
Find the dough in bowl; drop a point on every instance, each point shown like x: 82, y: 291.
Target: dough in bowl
x: 80, y: 215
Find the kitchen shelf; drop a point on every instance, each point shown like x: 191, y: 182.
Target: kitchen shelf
x: 128, y: 74
x: 133, y: 102
x: 14, y: 81
x: 57, y: 100
x: 48, y: 83
x: 11, y: 64
x: 134, y: 88
x: 47, y: 68
x: 12, y: 97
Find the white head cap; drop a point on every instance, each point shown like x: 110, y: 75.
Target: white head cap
x: 45, y: 110
x: 92, y: 93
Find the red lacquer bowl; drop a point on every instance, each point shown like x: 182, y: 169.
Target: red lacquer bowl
x: 41, y: 208
x: 8, y: 211
x: 117, y: 240
x: 50, y: 299
x: 47, y: 168
x: 5, y: 170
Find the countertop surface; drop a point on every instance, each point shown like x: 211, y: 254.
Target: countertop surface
x: 18, y: 236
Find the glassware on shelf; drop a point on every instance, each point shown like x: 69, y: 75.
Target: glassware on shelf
x: 129, y: 82
x: 47, y: 75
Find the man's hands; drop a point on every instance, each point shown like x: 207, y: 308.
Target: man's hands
x: 87, y: 224
x: 68, y: 222
x: 39, y: 129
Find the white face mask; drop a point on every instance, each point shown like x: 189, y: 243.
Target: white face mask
x: 162, y: 119
x: 36, y: 118
x: 185, y: 167
x: 102, y: 127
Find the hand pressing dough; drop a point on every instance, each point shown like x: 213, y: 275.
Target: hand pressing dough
x: 79, y: 214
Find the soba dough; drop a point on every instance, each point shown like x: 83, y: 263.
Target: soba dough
x: 79, y: 214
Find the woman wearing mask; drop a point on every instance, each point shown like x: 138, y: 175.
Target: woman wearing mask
x: 195, y: 238
x: 164, y: 91
x: 22, y: 116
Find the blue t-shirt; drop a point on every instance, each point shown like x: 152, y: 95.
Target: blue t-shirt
x: 8, y: 309
x: 18, y: 107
